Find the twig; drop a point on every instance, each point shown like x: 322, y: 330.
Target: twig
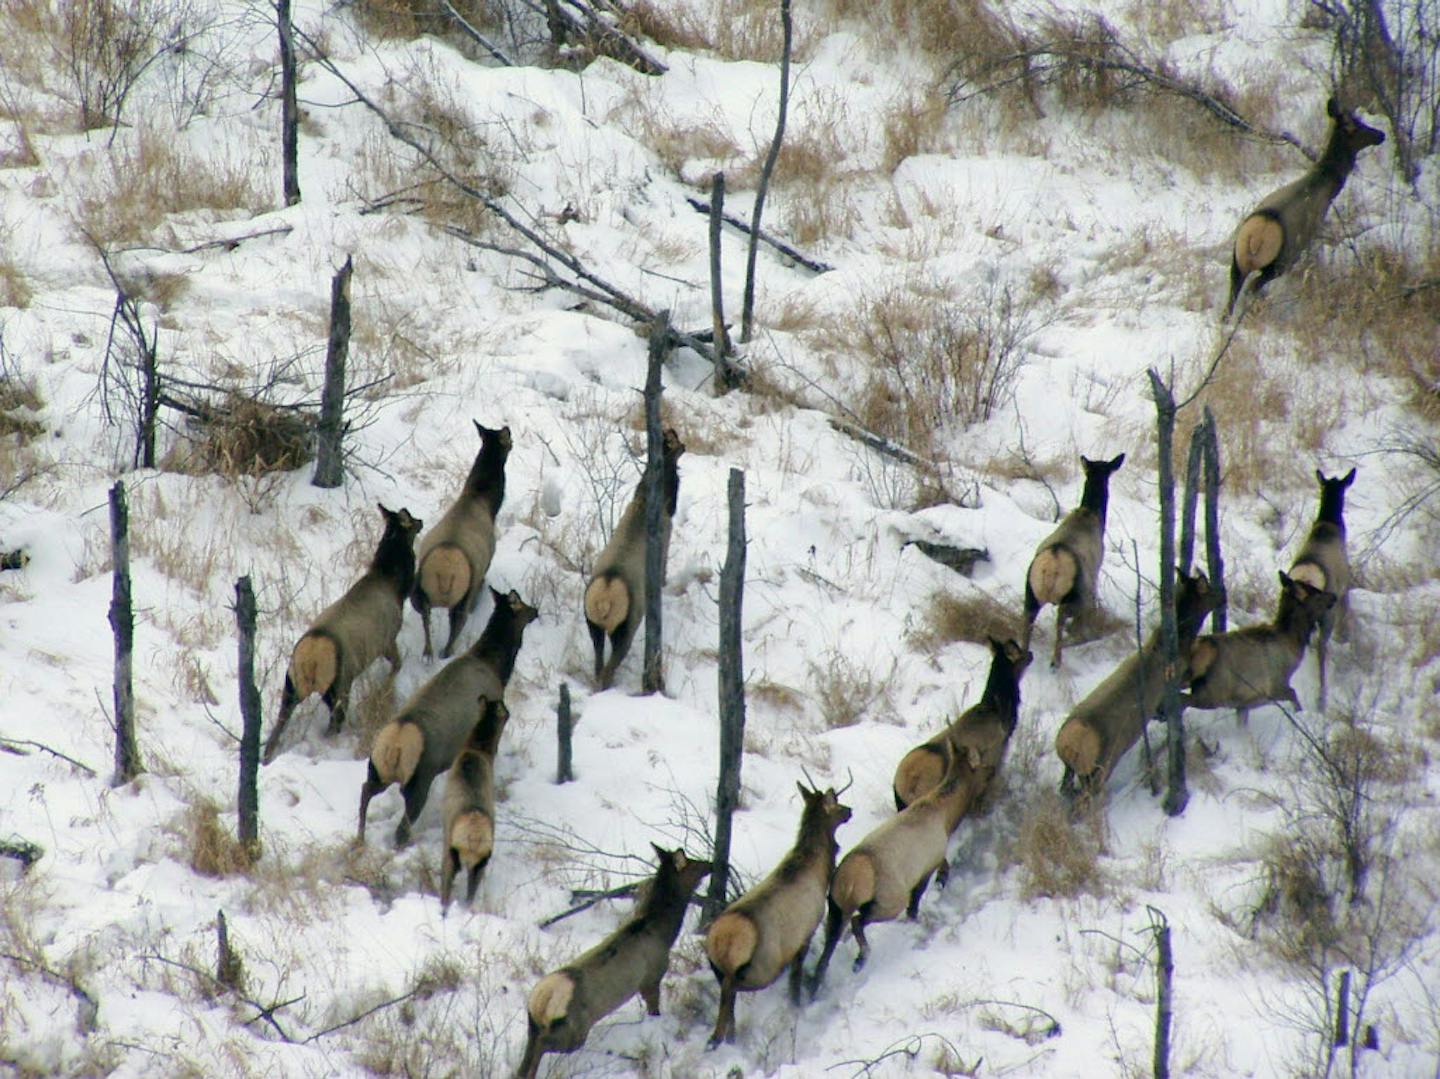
x: 264, y: 1012
x: 11, y: 745
x: 589, y: 898
x: 87, y: 1011
x: 908, y: 1047
x: 814, y: 265
x: 368, y: 1011
x: 479, y: 38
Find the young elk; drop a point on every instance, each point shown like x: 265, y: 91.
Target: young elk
x: 354, y: 631
x: 1066, y: 567
x: 1323, y: 563
x: 889, y: 870
x: 923, y: 768
x: 469, y: 803
x: 615, y: 596
x: 1285, y: 223
x: 566, y: 1003
x: 422, y: 741
x: 1250, y: 666
x: 455, y: 555
x: 1102, y: 727
x: 770, y: 926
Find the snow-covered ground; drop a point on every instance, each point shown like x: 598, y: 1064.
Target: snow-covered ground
x: 1115, y: 249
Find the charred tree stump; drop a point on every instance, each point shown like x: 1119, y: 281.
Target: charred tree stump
x: 1214, y: 563
x: 732, y: 696
x: 565, y: 728
x: 1176, y: 794
x: 1342, y: 1011
x: 249, y: 796
x: 229, y: 970
x: 1164, y: 1003
x: 328, y: 459
x: 726, y: 375
x: 122, y: 624
x: 747, y: 317
x: 652, y: 679
x: 289, y: 105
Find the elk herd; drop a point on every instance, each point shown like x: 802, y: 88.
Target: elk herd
x: 453, y: 724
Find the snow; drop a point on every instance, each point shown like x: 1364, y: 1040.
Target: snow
x: 831, y: 596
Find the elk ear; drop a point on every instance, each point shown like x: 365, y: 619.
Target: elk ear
x: 505, y: 439
x: 661, y: 853
x: 388, y: 514
x: 1349, y: 478
x: 805, y: 794
x: 1320, y: 477
x: 679, y: 861
x: 1285, y: 582
x: 501, y: 712
x: 1332, y: 108
x: 1116, y: 463
x: 496, y: 595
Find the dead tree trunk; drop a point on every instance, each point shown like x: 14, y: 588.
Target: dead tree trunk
x: 1342, y: 1011
x: 1164, y: 973
x: 122, y: 624
x: 328, y: 459
x: 725, y: 374
x: 249, y: 796
x: 1192, y: 496
x: 1214, y: 563
x: 289, y: 106
x: 732, y: 695
x: 229, y: 970
x: 747, y: 317
x: 565, y: 728
x: 652, y: 679
x: 1176, y: 794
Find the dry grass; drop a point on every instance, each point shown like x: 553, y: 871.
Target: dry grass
x: 212, y: 851
x: 407, y: 19
x: 15, y: 290
x: 687, y: 147
x: 20, y: 409
x: 732, y: 29
x: 1059, y: 853
x: 911, y: 126
x: 846, y: 691
x: 944, y: 28
x: 136, y: 186
x: 975, y: 616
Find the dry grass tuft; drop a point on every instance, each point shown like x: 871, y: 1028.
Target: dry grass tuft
x: 407, y: 19
x: 244, y: 437
x: 213, y: 850
x: 20, y: 406
x: 945, y: 29
x: 975, y: 616
x: 847, y: 692
x: 15, y: 290
x: 911, y: 126
x: 1060, y: 853
x: 137, y: 185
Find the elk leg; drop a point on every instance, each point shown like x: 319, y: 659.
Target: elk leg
x: 797, y: 970
x: 337, y: 705
x: 651, y: 995
x: 1242, y: 717
x: 1032, y: 609
x: 288, y: 700
x: 857, y: 926
x: 477, y: 871
x: 370, y: 789
x: 1320, y: 658
x: 1236, y: 280
x: 449, y: 864
x: 725, y: 1021
x: 597, y: 638
x: 1067, y: 782
x: 421, y: 602
x: 458, y: 616
x: 620, y: 642
x: 1060, y: 621
x: 530, y: 1062
x: 834, y: 923
x: 913, y: 908
x: 416, y: 791
x: 942, y: 873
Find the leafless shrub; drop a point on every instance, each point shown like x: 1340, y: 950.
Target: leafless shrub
x: 105, y: 47
x: 847, y: 691
x: 1059, y: 853
x: 973, y: 616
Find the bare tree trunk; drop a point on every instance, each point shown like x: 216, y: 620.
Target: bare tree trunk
x: 725, y: 374
x: 328, y: 458
x: 1192, y: 496
x: 1176, y: 794
x: 1164, y: 973
x: 732, y: 696
x: 122, y: 624
x: 229, y: 970
x: 249, y: 796
x: 555, y: 24
x: 1342, y: 1011
x: 149, y: 401
x: 747, y: 317
x: 565, y: 727
x: 652, y: 678
x: 1214, y: 563
x: 289, y: 105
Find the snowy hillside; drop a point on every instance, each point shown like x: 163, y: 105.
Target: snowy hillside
x: 1010, y: 255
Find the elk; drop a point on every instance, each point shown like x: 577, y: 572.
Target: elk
x: 923, y: 768
x: 1102, y: 727
x: 1251, y: 666
x: 769, y: 928
x: 422, y: 741
x: 889, y: 870
x: 1066, y: 566
x: 354, y: 631
x: 1276, y: 232
x: 455, y: 555
x: 566, y: 1003
x: 1323, y: 562
x: 615, y: 595
x: 468, y: 806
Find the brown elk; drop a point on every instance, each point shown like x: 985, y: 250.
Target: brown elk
x: 566, y: 1003
x: 455, y: 555
x: 769, y: 928
x: 1251, y: 666
x: 1066, y: 566
x: 354, y: 631
x: 1101, y: 729
x: 422, y: 741
x: 1324, y: 563
x: 468, y: 805
x: 1287, y: 220
x: 615, y: 595
x: 922, y: 769
x: 888, y: 871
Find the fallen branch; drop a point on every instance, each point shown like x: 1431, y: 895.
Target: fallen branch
x: 910, y: 1047
x: 475, y: 35
x: 604, y: 37
x: 87, y: 1011
x: 585, y: 898
x: 12, y: 745
x: 815, y: 266
x: 363, y: 1015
